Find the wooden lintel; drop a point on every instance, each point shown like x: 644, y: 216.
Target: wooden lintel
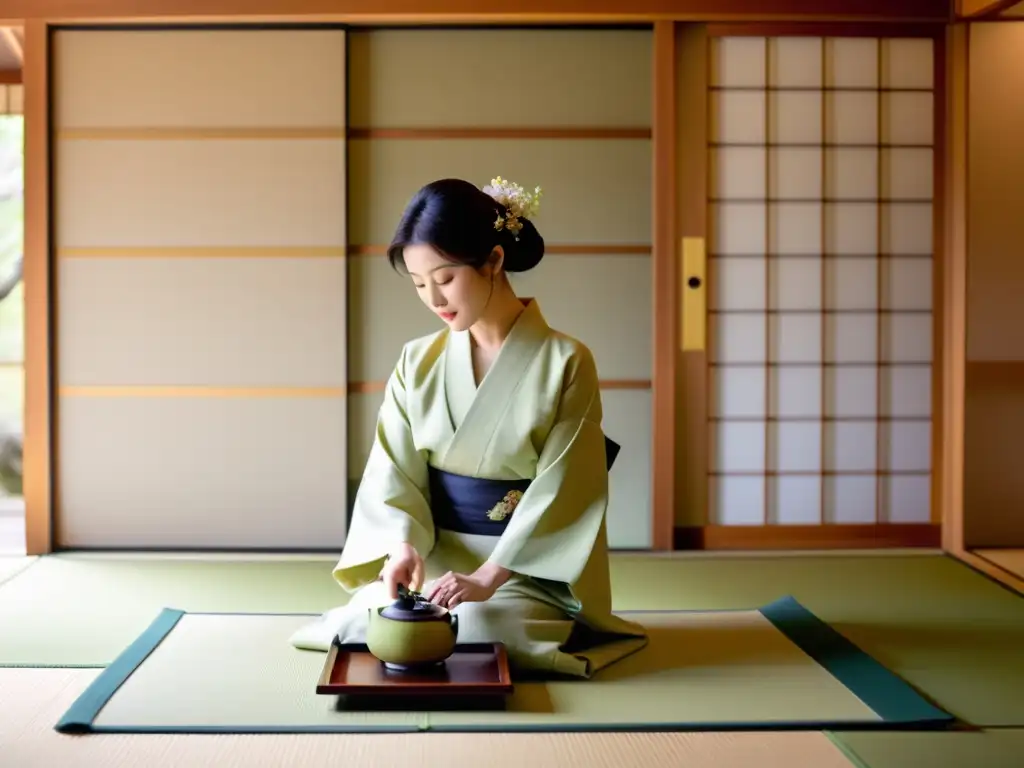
x: 471, y: 11
x: 982, y: 9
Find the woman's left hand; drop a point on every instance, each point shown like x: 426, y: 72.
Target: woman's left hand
x: 452, y: 589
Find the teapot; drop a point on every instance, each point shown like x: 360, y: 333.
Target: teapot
x: 411, y: 633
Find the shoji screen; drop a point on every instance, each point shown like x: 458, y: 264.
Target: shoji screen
x: 200, y: 288
x: 568, y: 110
x: 821, y: 277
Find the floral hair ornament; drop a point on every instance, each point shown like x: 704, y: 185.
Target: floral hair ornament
x: 518, y: 203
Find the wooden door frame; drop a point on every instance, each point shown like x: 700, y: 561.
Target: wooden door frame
x: 693, y: 371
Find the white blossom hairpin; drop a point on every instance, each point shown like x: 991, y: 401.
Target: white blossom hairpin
x: 518, y: 203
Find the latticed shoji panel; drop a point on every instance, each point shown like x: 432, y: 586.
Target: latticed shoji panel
x: 821, y: 280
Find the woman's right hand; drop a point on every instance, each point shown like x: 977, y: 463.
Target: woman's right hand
x: 404, y: 566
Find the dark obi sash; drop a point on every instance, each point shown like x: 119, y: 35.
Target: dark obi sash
x: 480, y: 506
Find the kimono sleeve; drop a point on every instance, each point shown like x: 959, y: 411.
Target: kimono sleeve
x: 392, y: 504
x: 552, y: 533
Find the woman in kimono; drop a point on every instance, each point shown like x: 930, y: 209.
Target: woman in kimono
x: 487, y: 483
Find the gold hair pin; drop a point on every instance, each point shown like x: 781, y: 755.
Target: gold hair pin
x: 519, y: 204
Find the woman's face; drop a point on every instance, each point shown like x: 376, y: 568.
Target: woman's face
x: 456, y: 293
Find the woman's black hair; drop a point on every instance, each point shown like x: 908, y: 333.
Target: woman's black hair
x: 457, y: 218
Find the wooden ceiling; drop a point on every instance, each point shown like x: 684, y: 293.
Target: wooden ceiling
x: 12, y: 46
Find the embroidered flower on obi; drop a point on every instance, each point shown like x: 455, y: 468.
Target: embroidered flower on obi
x: 504, y: 508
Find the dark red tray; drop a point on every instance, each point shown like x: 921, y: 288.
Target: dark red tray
x: 473, y: 669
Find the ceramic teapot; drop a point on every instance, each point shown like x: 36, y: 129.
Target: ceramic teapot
x: 411, y: 633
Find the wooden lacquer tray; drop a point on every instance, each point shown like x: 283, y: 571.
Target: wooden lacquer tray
x: 474, y: 669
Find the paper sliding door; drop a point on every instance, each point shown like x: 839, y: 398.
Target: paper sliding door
x: 200, y: 287
x: 566, y: 109
x: 822, y: 317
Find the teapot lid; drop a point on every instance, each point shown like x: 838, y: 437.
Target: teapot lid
x: 411, y: 606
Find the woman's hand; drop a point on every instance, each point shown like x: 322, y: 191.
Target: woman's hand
x: 405, y: 567
x: 453, y: 589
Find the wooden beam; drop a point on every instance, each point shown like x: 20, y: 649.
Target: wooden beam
x: 37, y: 453
x: 692, y: 128
x: 804, y: 537
x: 462, y: 11
x: 954, y: 291
x: 940, y: 329
x: 665, y: 299
x: 980, y: 9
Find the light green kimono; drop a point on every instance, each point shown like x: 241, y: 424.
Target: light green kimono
x: 536, y: 415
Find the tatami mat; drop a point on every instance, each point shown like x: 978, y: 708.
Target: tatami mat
x: 32, y: 700
x: 105, y: 602
x: 774, y: 668
x: 950, y: 632
x: 999, y: 748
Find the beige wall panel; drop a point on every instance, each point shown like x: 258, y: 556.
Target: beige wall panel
x: 993, y: 481
x: 602, y: 300
x: 594, y: 191
x: 995, y: 193
x: 274, y: 322
x: 500, y: 78
x: 994, y: 411
x: 200, y: 78
x: 627, y: 420
x: 179, y: 468
x: 201, y: 472
x: 200, y: 193
x: 384, y: 312
x: 362, y: 421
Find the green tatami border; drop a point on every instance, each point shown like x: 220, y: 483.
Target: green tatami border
x: 79, y: 717
x: 893, y: 700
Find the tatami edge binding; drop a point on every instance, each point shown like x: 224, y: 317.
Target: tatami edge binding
x: 80, y: 716
x: 892, y: 699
